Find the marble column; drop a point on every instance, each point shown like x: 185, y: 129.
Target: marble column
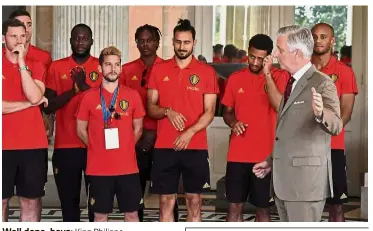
x: 109, y: 25
x: 268, y: 19
x: 356, y: 131
x: 203, y: 21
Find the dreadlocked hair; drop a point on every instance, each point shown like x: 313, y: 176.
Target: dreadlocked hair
x: 156, y: 33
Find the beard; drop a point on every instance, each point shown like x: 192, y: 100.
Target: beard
x: 84, y: 54
x: 255, y: 71
x: 111, y: 80
x: 186, y: 54
x: 322, y: 52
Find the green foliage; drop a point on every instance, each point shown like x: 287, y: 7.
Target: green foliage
x: 333, y: 15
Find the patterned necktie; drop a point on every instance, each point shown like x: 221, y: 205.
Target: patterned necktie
x: 288, y: 90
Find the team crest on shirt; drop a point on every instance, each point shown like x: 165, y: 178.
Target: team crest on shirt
x: 93, y: 76
x: 334, y: 77
x: 134, y: 78
x: 64, y: 77
x: 124, y: 104
x: 194, y: 79
x: 265, y: 88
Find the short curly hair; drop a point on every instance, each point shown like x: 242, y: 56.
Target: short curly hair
x: 261, y: 42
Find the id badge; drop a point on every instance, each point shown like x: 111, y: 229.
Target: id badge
x: 111, y: 138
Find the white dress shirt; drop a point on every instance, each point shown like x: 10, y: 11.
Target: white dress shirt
x: 300, y: 73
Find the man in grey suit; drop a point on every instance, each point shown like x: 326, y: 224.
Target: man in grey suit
x: 308, y: 115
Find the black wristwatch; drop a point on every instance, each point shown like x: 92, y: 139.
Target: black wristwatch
x: 320, y: 119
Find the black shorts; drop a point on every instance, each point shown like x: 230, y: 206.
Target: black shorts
x: 144, y: 163
x: 126, y: 188
x: 242, y: 185
x: 168, y: 164
x: 339, y: 174
x: 26, y: 170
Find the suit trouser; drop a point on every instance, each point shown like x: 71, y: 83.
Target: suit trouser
x: 297, y: 211
x: 68, y: 166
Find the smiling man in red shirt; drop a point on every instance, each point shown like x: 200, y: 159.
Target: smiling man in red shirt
x: 345, y: 81
x: 24, y: 141
x: 182, y: 95
x: 250, y: 114
x: 109, y: 122
x: 67, y: 79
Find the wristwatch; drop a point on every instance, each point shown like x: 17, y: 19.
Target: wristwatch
x: 166, y: 111
x: 25, y: 67
x: 320, y: 119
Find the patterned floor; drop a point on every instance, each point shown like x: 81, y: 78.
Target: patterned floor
x: 151, y: 215
x: 214, y: 210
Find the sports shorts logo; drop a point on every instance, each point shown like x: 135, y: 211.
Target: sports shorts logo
x: 194, y: 79
x: 92, y: 201
x: 334, y: 77
x: 124, y: 104
x: 93, y: 76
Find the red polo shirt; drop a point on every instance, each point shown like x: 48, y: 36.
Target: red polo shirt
x: 246, y: 92
x: 217, y: 60
x: 121, y: 161
x: 183, y: 91
x: 59, y: 80
x: 132, y: 74
x: 344, y: 79
x: 23, y: 129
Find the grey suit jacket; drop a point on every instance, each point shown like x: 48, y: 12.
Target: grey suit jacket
x: 301, y: 164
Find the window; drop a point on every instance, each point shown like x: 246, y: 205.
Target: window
x: 230, y: 25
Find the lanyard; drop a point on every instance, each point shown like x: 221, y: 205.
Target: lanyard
x: 105, y: 111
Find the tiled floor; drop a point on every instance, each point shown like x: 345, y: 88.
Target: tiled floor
x: 51, y: 210
x: 51, y: 214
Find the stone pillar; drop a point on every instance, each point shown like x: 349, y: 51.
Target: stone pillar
x: 109, y: 25
x: 43, y: 23
x: 229, y: 25
x: 279, y: 16
x: 356, y: 131
x: 268, y: 19
x: 203, y: 21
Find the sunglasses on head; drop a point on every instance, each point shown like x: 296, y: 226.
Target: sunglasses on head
x: 143, y: 80
x: 116, y: 114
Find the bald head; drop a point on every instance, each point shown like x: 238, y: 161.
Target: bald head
x: 324, y: 26
x: 323, y: 37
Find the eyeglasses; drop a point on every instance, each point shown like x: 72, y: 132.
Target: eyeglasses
x: 143, y: 80
x: 116, y: 114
